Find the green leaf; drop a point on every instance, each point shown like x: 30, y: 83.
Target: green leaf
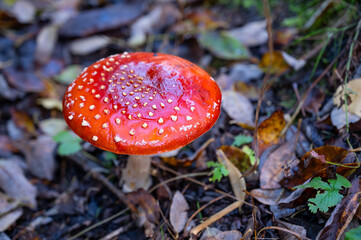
x: 68, y: 75
x: 316, y: 183
x: 339, y: 182
x: 68, y: 148
x: 242, y: 139
x: 223, y: 46
x: 212, y: 164
x: 325, y: 200
x: 66, y: 136
x: 218, y: 172
x: 353, y: 234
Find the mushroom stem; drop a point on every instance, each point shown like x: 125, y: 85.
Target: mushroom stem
x: 137, y: 173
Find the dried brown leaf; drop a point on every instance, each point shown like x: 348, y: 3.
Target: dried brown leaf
x: 178, y: 212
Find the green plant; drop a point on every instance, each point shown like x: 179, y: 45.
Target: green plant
x: 239, y: 140
x: 328, y: 193
x: 353, y: 233
x: 249, y: 151
x: 218, y: 172
x: 68, y: 143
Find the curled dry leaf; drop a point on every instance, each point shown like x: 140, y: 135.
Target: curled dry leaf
x: 272, y: 171
x: 301, y: 231
x: 269, y: 130
x: 353, y: 91
x: 238, y: 107
x: 238, y: 182
x: 178, y: 212
x: 15, y: 185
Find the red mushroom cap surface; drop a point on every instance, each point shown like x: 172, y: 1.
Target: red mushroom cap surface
x: 141, y: 103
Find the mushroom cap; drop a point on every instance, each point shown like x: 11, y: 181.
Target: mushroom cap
x: 142, y: 103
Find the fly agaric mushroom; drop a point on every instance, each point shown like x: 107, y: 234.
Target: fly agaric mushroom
x: 141, y: 104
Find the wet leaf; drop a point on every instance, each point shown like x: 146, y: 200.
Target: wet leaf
x: 45, y: 43
x: 15, y: 185
x: 223, y: 46
x: 178, y: 212
x: 251, y: 34
x: 310, y: 166
x: 143, y: 199
x: 40, y: 156
x: 273, y: 63
x: 68, y: 75
x: 238, y: 107
x: 269, y: 130
x: 85, y: 46
x: 238, y: 157
x: 272, y: 171
x: 353, y: 91
x: 99, y: 20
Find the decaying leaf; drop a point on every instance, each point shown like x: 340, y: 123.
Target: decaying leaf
x: 353, y: 91
x: 178, y: 212
x: 52, y: 126
x: 265, y: 196
x: 273, y: 63
x: 215, y: 234
x: 338, y: 117
x: 223, y: 46
x: 23, y: 121
x: 301, y: 231
x: 50, y: 103
x: 15, y: 185
x: 238, y: 182
x: 238, y: 107
x: 144, y: 200
x: 311, y: 165
x: 239, y: 158
x: 40, y: 156
x: 85, y: 46
x: 272, y: 171
x: 45, y: 43
x: 9, y: 218
x: 269, y: 130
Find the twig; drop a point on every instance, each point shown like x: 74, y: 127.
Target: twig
x: 215, y: 217
x: 118, y: 231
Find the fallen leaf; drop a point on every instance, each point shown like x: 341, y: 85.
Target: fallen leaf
x: 267, y: 196
x: 52, y: 126
x: 15, y: 185
x: 24, y: 11
x: 24, y: 80
x: 8, y: 92
x: 50, y: 103
x: 245, y: 72
x: 269, y: 130
x: 272, y: 171
x: 9, y: 219
x: 238, y: 158
x: 160, y: 17
x: 235, y: 176
x: 309, y: 166
x: 215, y: 234
x: 296, y: 64
x: 45, y: 43
x: 22, y: 120
x: 98, y: 20
x: 68, y: 75
x: 284, y: 36
x: 6, y: 146
x: 223, y: 46
x: 238, y: 107
x: 248, y: 90
x: 6, y: 205
x: 314, y: 100
x: 251, y: 34
x: 40, y: 156
x: 338, y: 117
x: 178, y: 212
x: 353, y: 90
x: 273, y: 63
x: 85, y: 46
x: 144, y: 200
x: 292, y: 227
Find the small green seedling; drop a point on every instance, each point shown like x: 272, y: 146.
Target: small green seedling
x: 218, y: 172
x: 328, y: 194
x: 353, y: 234
x: 68, y: 143
x: 249, y: 151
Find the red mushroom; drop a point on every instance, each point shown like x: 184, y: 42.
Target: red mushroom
x: 141, y: 103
